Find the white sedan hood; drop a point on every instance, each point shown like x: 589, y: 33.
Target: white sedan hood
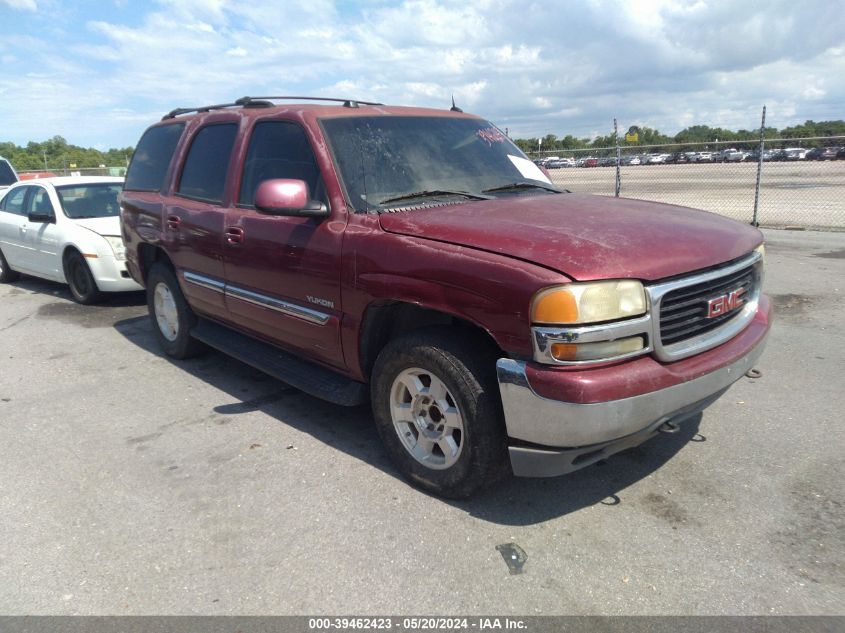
x: 103, y: 226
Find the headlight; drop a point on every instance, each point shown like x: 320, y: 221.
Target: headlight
x: 117, y: 246
x: 588, y: 302
x: 762, y: 250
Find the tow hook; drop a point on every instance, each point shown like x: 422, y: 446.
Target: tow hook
x: 669, y: 427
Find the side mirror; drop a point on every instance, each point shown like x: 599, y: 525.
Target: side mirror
x: 285, y: 196
x: 35, y: 216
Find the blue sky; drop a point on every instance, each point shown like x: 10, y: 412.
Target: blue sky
x: 98, y: 73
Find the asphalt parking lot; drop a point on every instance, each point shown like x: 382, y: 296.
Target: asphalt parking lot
x: 130, y: 484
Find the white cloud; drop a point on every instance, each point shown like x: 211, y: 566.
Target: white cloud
x: 551, y: 67
x: 22, y: 5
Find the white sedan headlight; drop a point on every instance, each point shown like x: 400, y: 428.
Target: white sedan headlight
x: 117, y: 246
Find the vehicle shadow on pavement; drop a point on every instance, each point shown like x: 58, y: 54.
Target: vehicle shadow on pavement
x: 61, y: 291
x: 512, y: 501
x: 520, y: 501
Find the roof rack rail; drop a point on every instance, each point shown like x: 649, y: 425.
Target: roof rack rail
x: 347, y: 103
x: 263, y: 102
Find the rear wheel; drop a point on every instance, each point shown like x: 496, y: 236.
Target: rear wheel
x: 6, y: 274
x: 171, y: 316
x: 83, y: 288
x: 436, y: 407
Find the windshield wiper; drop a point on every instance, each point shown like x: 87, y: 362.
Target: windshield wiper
x: 516, y: 186
x: 433, y: 194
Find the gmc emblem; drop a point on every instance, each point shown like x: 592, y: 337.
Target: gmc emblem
x: 725, y: 303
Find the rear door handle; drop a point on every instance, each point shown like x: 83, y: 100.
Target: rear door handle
x: 235, y: 235
x: 173, y: 222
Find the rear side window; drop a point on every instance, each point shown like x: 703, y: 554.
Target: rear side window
x: 204, y: 173
x: 152, y: 157
x: 278, y: 149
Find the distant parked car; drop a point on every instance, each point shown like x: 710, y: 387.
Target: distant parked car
x: 768, y: 155
x: 559, y: 163
x: 631, y: 160
x: 795, y: 153
x: 66, y: 230
x: 657, y: 159
x: 841, y: 153
x: 678, y: 158
x: 823, y: 153
x: 735, y: 155
x: 704, y: 157
x: 590, y: 162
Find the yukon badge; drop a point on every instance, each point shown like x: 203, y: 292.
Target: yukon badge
x: 320, y: 302
x: 726, y: 303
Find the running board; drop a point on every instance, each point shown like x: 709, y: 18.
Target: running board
x: 300, y: 374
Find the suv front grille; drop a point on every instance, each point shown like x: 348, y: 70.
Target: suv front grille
x: 679, y: 308
x: 683, y: 312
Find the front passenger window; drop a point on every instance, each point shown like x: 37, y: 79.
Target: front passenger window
x: 279, y: 149
x: 40, y: 203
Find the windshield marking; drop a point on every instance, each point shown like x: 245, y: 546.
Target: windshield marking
x: 528, y: 169
x: 491, y: 135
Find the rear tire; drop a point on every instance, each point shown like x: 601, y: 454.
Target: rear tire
x: 83, y: 287
x: 437, y: 409
x: 7, y: 275
x: 171, y: 316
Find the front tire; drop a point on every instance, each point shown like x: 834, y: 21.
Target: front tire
x: 83, y: 287
x: 437, y: 409
x: 171, y: 316
x: 7, y: 275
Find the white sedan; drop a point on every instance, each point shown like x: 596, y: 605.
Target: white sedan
x: 65, y: 229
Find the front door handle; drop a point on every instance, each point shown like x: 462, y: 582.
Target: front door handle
x: 173, y: 222
x: 235, y: 235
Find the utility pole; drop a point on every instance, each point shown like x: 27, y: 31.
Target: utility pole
x: 44, y: 153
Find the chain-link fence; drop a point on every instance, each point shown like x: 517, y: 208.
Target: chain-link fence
x: 802, y: 181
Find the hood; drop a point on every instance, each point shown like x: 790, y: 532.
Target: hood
x: 585, y: 237
x: 103, y: 226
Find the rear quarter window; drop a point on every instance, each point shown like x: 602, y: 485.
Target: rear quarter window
x: 152, y: 157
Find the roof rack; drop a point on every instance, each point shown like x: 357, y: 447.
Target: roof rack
x: 264, y: 102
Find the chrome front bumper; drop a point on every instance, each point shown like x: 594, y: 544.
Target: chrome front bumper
x: 574, y: 435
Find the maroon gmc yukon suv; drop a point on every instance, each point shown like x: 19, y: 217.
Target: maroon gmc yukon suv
x: 417, y: 259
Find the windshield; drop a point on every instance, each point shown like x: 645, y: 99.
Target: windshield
x: 395, y: 161
x: 96, y: 200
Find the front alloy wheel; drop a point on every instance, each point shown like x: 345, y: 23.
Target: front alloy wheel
x: 427, y: 418
x: 436, y: 408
